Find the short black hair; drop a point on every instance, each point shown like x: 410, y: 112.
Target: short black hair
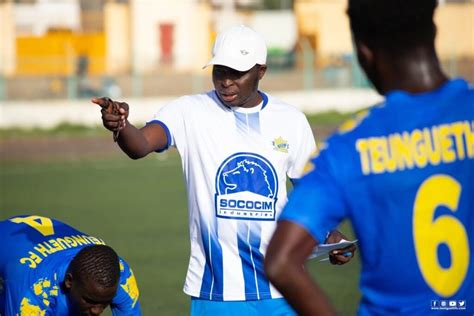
x: 393, y: 24
x: 98, y: 264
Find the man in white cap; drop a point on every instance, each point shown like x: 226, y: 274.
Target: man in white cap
x: 238, y: 145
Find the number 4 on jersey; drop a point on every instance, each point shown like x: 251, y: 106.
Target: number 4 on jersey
x: 43, y: 225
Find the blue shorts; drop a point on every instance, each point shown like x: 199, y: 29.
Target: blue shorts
x: 269, y: 307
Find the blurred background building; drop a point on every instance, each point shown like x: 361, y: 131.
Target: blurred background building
x: 80, y: 48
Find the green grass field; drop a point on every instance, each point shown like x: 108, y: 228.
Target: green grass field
x: 139, y: 208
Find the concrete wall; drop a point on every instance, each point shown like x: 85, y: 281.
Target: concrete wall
x: 327, y: 24
x: 455, y: 36
x: 47, y: 113
x: 118, y: 38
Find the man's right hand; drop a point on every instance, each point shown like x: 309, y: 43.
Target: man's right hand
x: 114, y: 113
x: 136, y: 143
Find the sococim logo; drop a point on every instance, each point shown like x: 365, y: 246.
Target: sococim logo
x: 246, y: 188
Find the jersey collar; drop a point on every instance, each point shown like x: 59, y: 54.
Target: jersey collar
x: 263, y: 95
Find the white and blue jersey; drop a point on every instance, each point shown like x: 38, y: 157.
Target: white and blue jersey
x: 236, y: 163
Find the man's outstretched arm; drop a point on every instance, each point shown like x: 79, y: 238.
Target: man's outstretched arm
x: 136, y: 143
x: 289, y: 248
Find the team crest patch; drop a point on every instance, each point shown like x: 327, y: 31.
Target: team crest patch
x: 246, y: 188
x: 281, y: 145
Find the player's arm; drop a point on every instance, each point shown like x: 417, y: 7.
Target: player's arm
x: 136, y: 143
x: 289, y: 248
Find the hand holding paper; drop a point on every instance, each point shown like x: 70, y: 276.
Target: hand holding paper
x: 323, y: 250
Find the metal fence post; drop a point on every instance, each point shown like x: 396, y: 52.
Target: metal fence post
x: 137, y: 89
x: 453, y: 65
x: 71, y: 86
x: 308, y: 64
x: 3, y: 89
x: 197, y: 83
x: 137, y: 86
x: 359, y: 80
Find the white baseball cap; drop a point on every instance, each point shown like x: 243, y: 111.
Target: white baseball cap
x: 239, y: 48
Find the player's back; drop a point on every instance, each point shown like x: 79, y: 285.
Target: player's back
x: 34, y: 256
x: 33, y: 244
x: 410, y: 191
x: 29, y: 240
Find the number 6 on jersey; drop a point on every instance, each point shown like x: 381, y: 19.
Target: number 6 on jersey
x: 429, y: 234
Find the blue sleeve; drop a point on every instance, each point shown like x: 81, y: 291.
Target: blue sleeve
x: 316, y: 202
x: 125, y: 302
x: 167, y: 132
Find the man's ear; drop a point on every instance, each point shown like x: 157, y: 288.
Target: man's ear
x: 68, y: 280
x: 365, y: 55
x: 261, y: 71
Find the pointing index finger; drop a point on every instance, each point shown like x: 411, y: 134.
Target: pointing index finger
x: 103, y: 102
x: 96, y: 100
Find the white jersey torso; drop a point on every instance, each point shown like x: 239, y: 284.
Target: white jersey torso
x: 236, y: 164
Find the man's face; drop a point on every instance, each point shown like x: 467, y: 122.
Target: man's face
x: 238, y: 88
x: 88, y: 299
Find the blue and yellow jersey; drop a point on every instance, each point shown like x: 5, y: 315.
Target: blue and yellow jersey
x: 35, y: 253
x: 404, y: 175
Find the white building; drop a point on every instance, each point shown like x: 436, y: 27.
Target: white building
x: 164, y: 32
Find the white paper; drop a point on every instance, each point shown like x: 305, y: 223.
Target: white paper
x: 325, y: 249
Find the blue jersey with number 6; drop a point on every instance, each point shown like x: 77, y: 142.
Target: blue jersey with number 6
x: 35, y: 252
x: 403, y: 173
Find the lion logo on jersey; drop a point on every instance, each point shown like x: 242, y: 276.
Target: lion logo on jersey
x: 246, y: 188
x: 245, y: 177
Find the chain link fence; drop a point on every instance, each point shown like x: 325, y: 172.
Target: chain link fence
x: 297, y: 72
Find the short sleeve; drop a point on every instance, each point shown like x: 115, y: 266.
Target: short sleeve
x: 305, y: 147
x: 126, y: 300
x: 317, y: 202
x: 171, y: 118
